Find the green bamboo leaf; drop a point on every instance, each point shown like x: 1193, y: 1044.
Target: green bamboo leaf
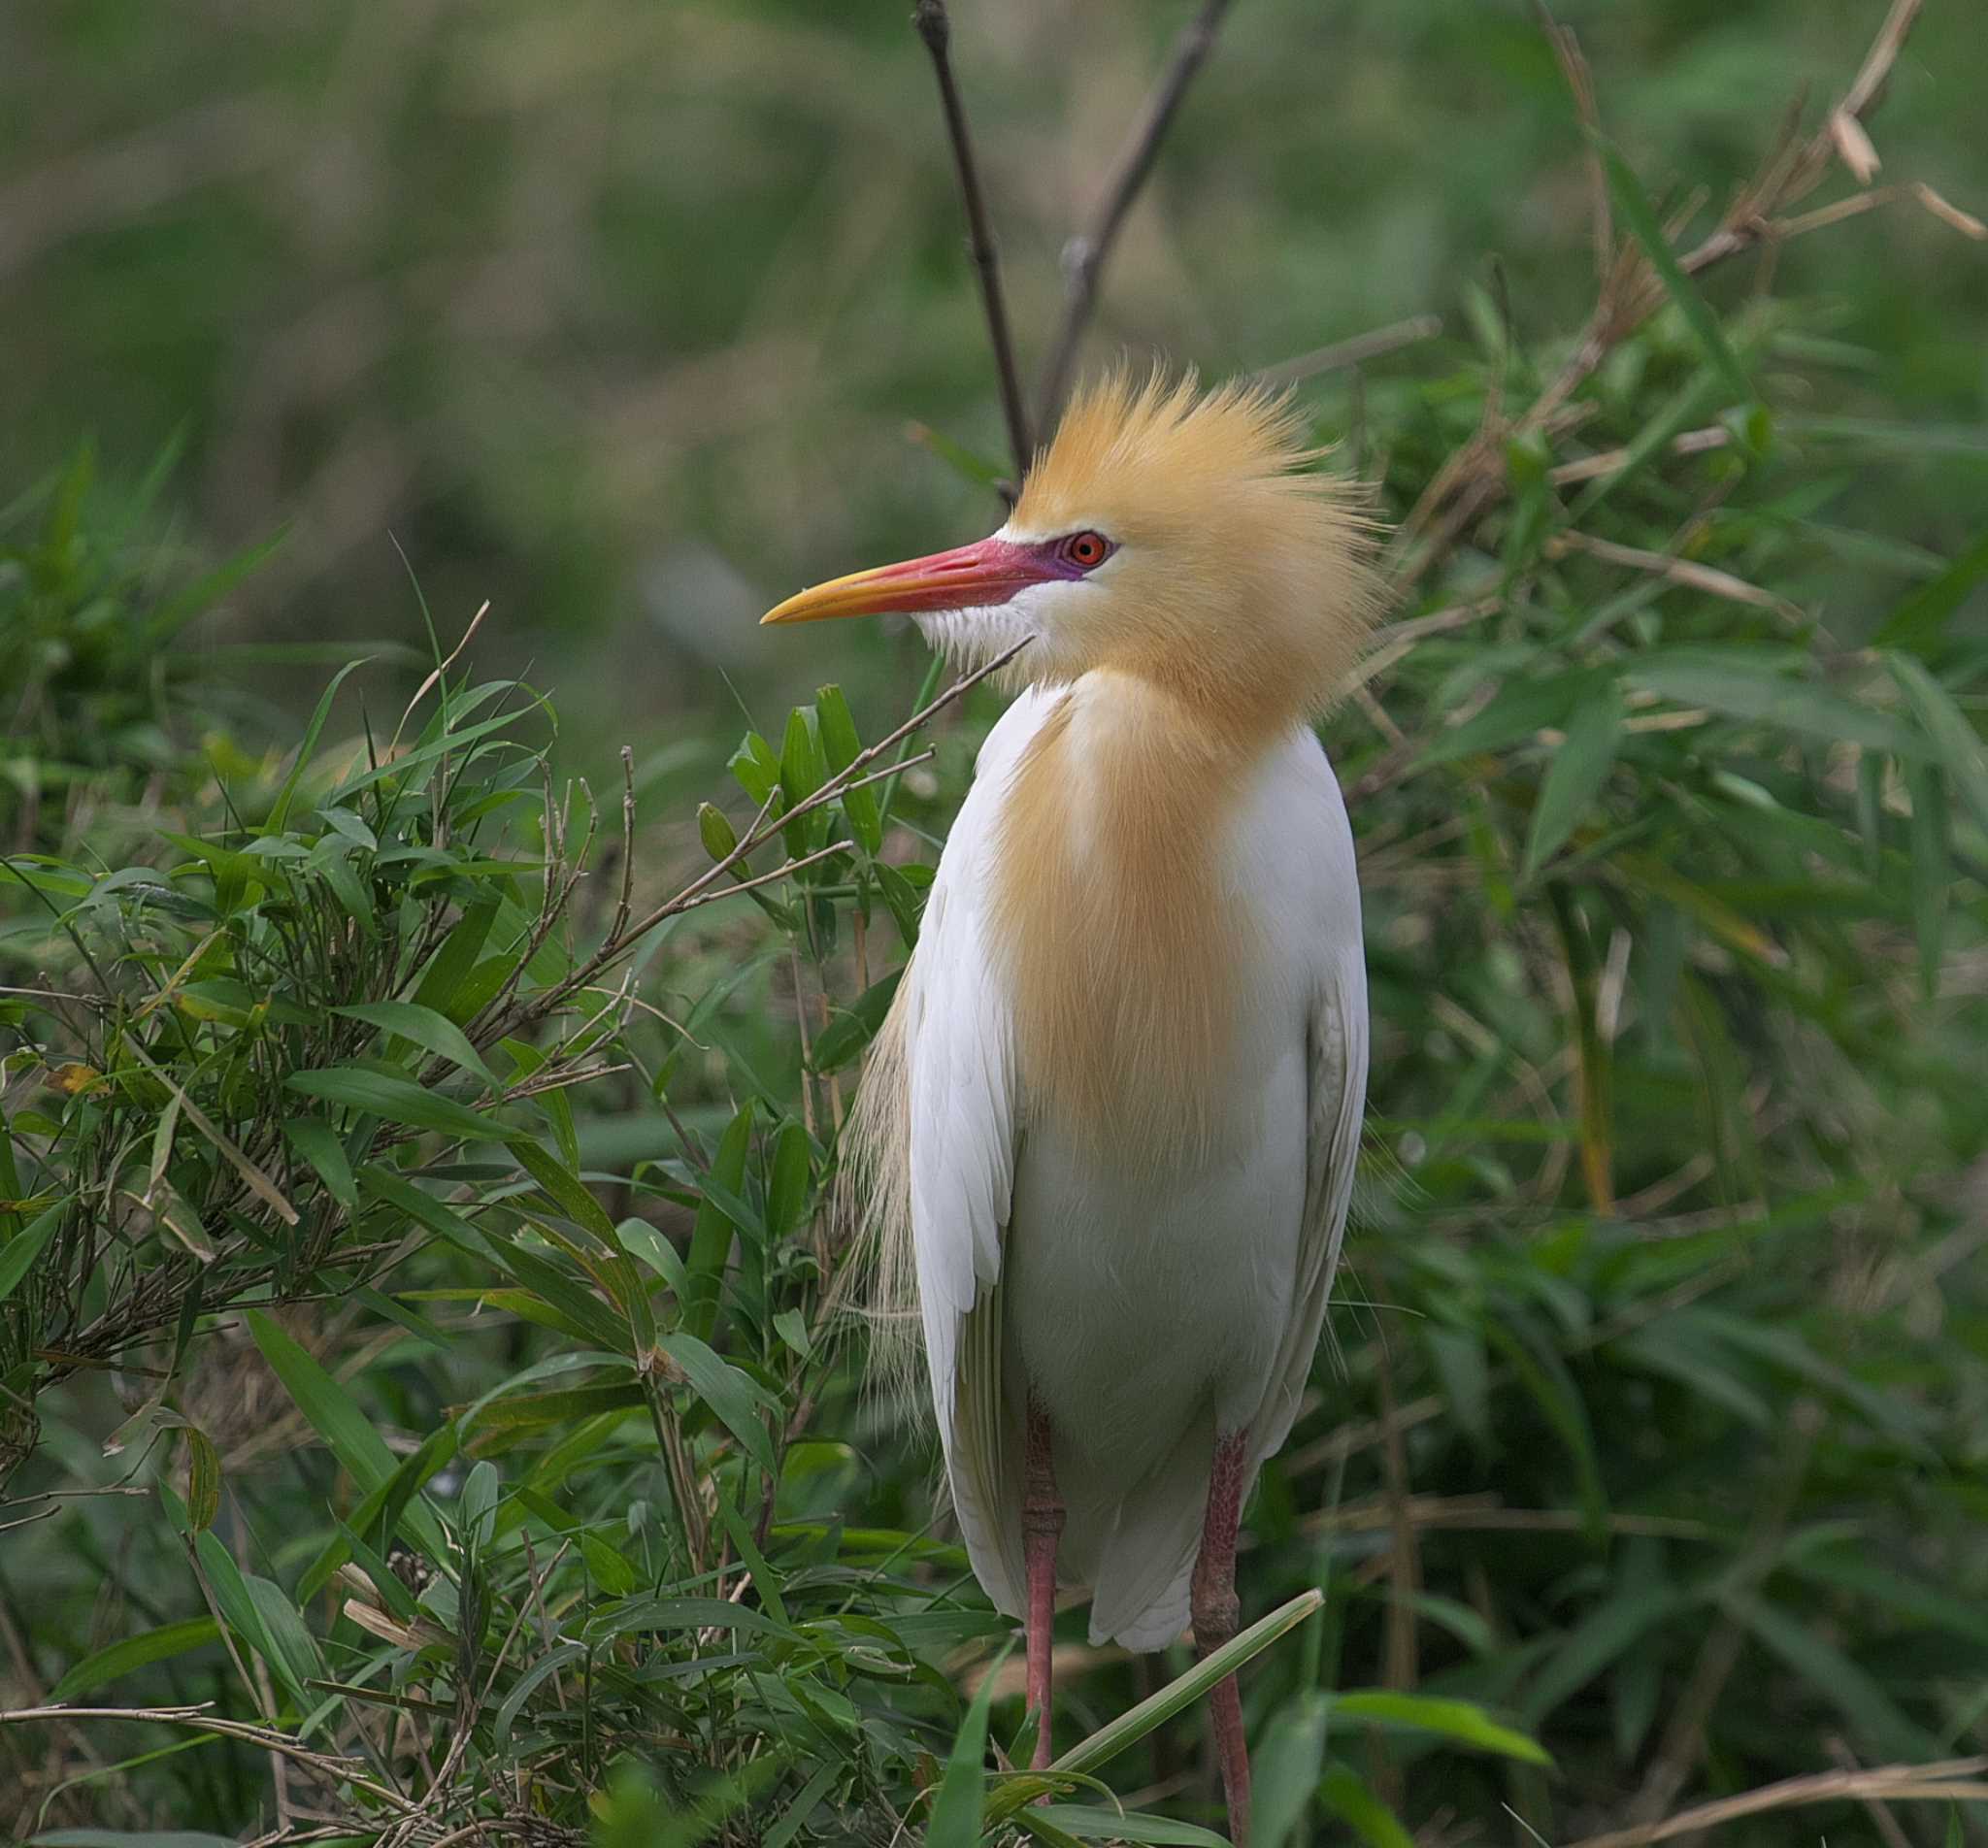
x: 230, y: 1588
x: 203, y: 1478
x: 639, y: 1236
x: 343, y: 821
x: 720, y: 840
x: 1749, y: 687
x: 710, y: 1239
x: 766, y: 1580
x: 756, y: 769
x: 958, y: 1809
x: 1285, y: 1770
x: 290, y: 1652
x: 452, y: 964
x: 394, y: 1189
x: 26, y: 1245
x: 389, y: 1311
x: 1957, y: 743
x: 1641, y: 216
x: 848, y: 1036
x: 803, y: 766
x: 564, y: 1406
x: 682, y: 1613
x: 787, y: 1184
x: 331, y: 1410
x: 610, y: 1569
x: 1931, y: 881
x: 398, y: 1101
x: 794, y: 1818
x: 453, y: 745
x: 332, y: 861
x: 279, y: 809
x: 1896, y: 1591
x: 425, y: 1027
x: 1460, y: 1721
x: 1156, y: 1709
x: 1885, y: 1727
x: 335, y: 1415
x: 841, y: 746
x: 1521, y: 706
x: 970, y: 467
x: 1573, y: 777
x: 1685, y: 407
x: 902, y: 897
x: 1543, y: 1374
x: 566, y: 1190
x: 739, y: 1403
x: 540, y: 1671
x: 1088, y: 1824
x: 385, y: 1506
x: 1346, y: 1794
x: 577, y: 1310
x: 1919, y: 622
x: 1033, y: 1823
x: 319, y: 1144
x: 120, y: 1658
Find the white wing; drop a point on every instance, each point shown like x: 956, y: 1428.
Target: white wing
x: 1321, y: 897
x: 959, y: 1091
x: 1335, y: 1044
x: 959, y: 1073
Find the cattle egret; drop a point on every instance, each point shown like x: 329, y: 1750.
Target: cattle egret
x: 1109, y: 1128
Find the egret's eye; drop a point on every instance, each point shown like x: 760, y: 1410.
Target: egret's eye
x: 1087, y: 549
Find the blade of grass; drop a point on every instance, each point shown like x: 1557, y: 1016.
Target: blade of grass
x: 1647, y: 229
x: 1108, y: 1741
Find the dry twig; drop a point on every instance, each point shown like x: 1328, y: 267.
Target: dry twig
x: 1356, y: 351
x: 1085, y: 255
x: 1948, y: 1781
x: 936, y: 29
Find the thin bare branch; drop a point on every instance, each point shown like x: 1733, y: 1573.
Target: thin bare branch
x: 1884, y: 51
x: 435, y: 672
x: 1356, y: 351
x: 1947, y: 213
x: 1581, y: 85
x: 765, y: 826
x: 1085, y: 255
x: 326, y: 1765
x: 936, y: 29
x: 624, y: 904
x: 1950, y: 1782
x: 1585, y: 467
x: 1680, y: 571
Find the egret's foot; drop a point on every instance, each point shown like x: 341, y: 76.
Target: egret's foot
x: 1216, y: 1613
x: 1041, y: 1527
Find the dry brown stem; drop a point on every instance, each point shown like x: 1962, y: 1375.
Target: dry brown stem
x: 1948, y: 1781
x: 1085, y: 255
x: 936, y: 30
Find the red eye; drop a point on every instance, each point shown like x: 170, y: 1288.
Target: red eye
x: 1087, y: 548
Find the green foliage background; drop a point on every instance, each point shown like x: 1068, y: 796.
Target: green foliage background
x: 426, y: 1348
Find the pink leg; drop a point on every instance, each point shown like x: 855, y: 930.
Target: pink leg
x: 1041, y: 1526
x: 1216, y: 1613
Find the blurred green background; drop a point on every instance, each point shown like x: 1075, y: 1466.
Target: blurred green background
x: 615, y: 312
x: 620, y: 315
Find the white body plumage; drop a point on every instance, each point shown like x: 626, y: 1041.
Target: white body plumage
x: 1147, y: 1306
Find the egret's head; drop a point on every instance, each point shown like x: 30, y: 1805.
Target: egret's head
x: 1165, y: 533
